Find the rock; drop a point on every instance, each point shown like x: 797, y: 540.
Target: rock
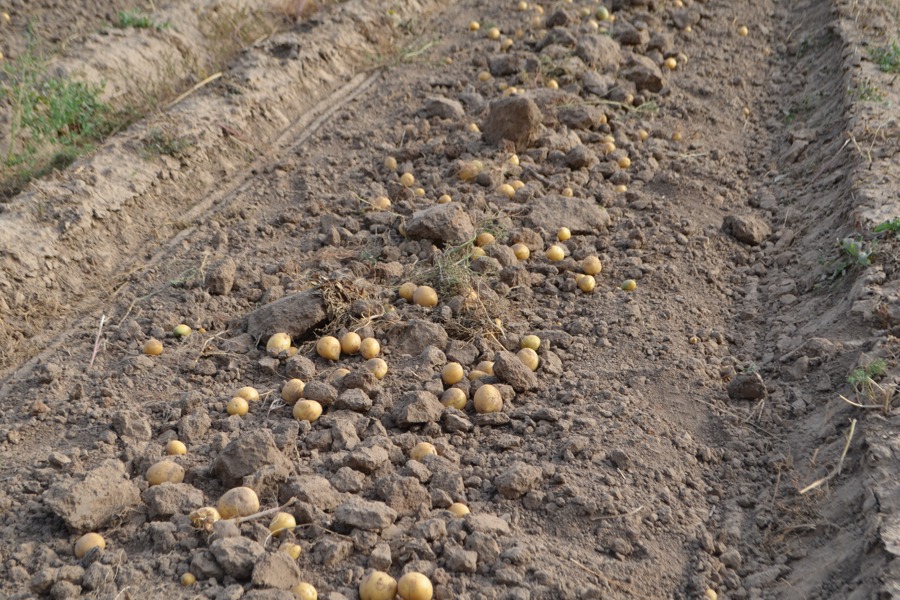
x: 245, y: 455
x: 65, y: 590
x: 237, y: 556
x: 517, y: 480
x: 98, y: 577
x: 444, y: 108
x: 169, y: 499
x: 205, y: 566
x: 441, y: 223
x: 220, y: 278
x: 300, y: 367
x: 580, y: 157
x: 619, y: 459
x: 484, y: 545
x: 597, y: 84
x: 579, y: 215
x: 516, y: 119
x: 92, y: 503
x: 455, y: 421
x: 331, y: 552
x: 458, y: 560
x: 348, y: 480
x: 380, y: 557
x: 363, y: 514
x: 578, y: 116
x: 354, y: 399
x: 224, y: 528
x: 628, y: 35
x: 449, y: 481
x: 486, y: 523
x: 192, y: 428
x: 731, y: 558
x: 557, y: 36
x: 417, y: 335
x: 504, y: 65
x: 599, y: 51
x: 276, y: 570
x: 367, y: 459
x: 321, y: 392
x: 403, y: 494
x: 485, y: 265
x: 134, y: 426
x: 558, y: 18
x: 462, y: 352
x: 297, y: 315
x: 644, y: 73
x: 747, y: 386
x: 503, y: 254
x: 360, y: 380
x: 747, y: 229
x: 268, y: 594
x: 508, y: 368
x: 416, y: 408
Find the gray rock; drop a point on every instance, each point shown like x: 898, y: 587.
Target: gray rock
x: 508, y: 368
x: 747, y: 229
x: 503, y: 65
x: 169, y: 499
x: 644, y: 74
x: 93, y: 502
x: 458, y: 560
x: 558, y: 18
x: 450, y: 481
x: 300, y: 367
x: 276, y: 570
x: 193, y: 427
x: 367, y: 459
x: 579, y: 215
x: 455, y: 421
x: 516, y: 119
x: 310, y: 488
x: 65, y: 590
x: 129, y: 424
x: 517, y: 480
x: 99, y: 577
x: 484, y: 545
x: 380, y: 557
x: 220, y: 278
x: 580, y: 157
x: 348, y: 480
x: 444, y: 108
x: 331, y: 552
x: 579, y: 116
x: 268, y: 594
x: 628, y: 35
x: 354, y: 399
x: 417, y: 408
x: 599, y: 51
x: 502, y: 253
x: 245, y: 455
x: 237, y: 556
x: 417, y: 335
x: 323, y: 393
x: 363, y: 514
x: 486, y: 523
x: 403, y: 494
x: 747, y: 386
x: 441, y: 223
x: 224, y: 528
x: 205, y: 566
x: 296, y: 315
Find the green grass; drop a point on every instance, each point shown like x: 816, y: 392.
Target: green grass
x: 128, y: 18
x: 892, y: 226
x: 866, y: 91
x: 159, y: 141
x: 887, y: 57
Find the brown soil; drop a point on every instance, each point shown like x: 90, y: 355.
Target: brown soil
x: 686, y: 439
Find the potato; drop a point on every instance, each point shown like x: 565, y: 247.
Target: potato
x: 487, y: 399
x: 237, y: 406
x: 521, y: 251
x: 421, y: 450
x: 248, y: 393
x: 624, y: 162
x: 304, y: 591
x: 469, y: 170
x: 486, y: 366
x: 175, y: 448
x: 369, y: 348
x: 181, y: 331
x: 188, y: 579
x: 381, y: 203
x: 377, y: 367
x: 670, y: 63
x: 307, y: 410
x: 459, y: 509
x: 291, y: 549
x: 407, y: 180
x: 425, y: 296
x: 328, y: 347
x: 506, y: 189
x: 530, y: 341
x: 567, y: 192
x: 629, y: 285
x: 390, y: 163
x: 88, y: 542
x: 407, y: 290
x: 414, y: 586
x: 278, y: 343
x: 586, y: 283
x: 282, y: 521
x: 477, y: 251
x: 334, y: 378
x: 555, y: 253
x: 350, y: 342
x: 454, y: 398
x: 743, y: 31
x: 204, y: 518
x: 485, y: 239
x: 563, y: 234
x: 238, y: 502
x: 591, y: 265
x: 475, y: 374
x: 529, y: 358
x: 474, y: 26
x: 292, y: 390
x: 165, y: 471
x: 493, y: 33
x: 153, y: 347
x: 444, y: 199
x: 552, y: 84
x: 378, y: 586
x: 452, y: 373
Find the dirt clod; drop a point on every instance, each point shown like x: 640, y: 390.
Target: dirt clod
x: 90, y: 504
x: 514, y: 119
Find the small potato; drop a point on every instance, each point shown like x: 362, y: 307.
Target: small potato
x: 487, y: 399
x: 378, y: 586
x: 334, y: 378
x: 484, y: 239
x: 425, y: 296
x: 204, y: 518
x: 529, y: 358
x: 521, y: 251
x: 381, y: 203
x: 414, y: 586
x: 586, y: 283
x: 452, y: 373
x: 181, y: 331
x: 282, y: 521
x: 454, y: 398
x: 555, y: 253
x: 624, y: 162
x: 88, y: 542
x: 305, y: 591
x: 307, y: 410
x: 444, y: 199
x: 475, y: 375
x: 292, y: 390
x: 459, y: 509
x: 350, y: 342
x: 188, y: 579
x: 248, y: 393
x: 407, y: 290
x: 153, y: 347
x: 629, y: 285
x: 485, y: 366
x: 291, y: 549
x: 591, y: 265
x: 328, y: 347
x: 278, y: 343
x: 369, y: 348
x: 563, y: 234
x: 390, y: 163
x: 175, y: 448
x: 530, y: 341
x: 407, y: 180
x: 377, y: 367
x: 237, y: 406
x: 507, y: 190
x: 238, y: 502
x: 567, y: 192
x: 421, y: 450
x: 165, y: 471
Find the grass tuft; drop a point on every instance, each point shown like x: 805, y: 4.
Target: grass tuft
x: 128, y: 18
x: 887, y: 57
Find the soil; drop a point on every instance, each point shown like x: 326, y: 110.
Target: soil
x: 699, y: 436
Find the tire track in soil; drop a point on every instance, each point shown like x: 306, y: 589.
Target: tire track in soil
x: 652, y: 482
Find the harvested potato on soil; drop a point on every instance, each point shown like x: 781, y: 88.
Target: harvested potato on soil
x: 369, y: 348
x: 328, y: 347
x: 529, y: 358
x: 586, y: 283
x: 292, y: 390
x: 487, y: 399
x: 459, y: 509
x: 175, y: 448
x: 248, y: 393
x: 282, y: 521
x: 153, y: 347
x: 188, y: 579
x: 454, y: 398
x: 591, y: 265
x: 237, y: 406
x: 555, y: 253
x: 629, y: 285
x: 425, y: 296
x: 378, y: 585
x: 350, y: 342
x: 421, y: 450
x: 307, y: 410
x: 238, y: 502
x: 204, y: 518
x: 485, y: 366
x: 407, y: 290
x: 88, y: 542
x: 165, y: 471
x: 521, y: 251
x: 377, y: 367
x: 452, y: 373
x: 530, y: 341
x: 304, y: 591
x: 414, y: 586
x: 291, y: 549
x: 181, y: 331
x: 278, y: 343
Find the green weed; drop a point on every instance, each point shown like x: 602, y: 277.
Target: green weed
x: 887, y: 57
x: 866, y: 91
x: 892, y: 226
x: 126, y: 19
x: 159, y: 141
x: 869, y: 393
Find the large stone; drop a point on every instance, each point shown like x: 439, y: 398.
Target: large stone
x: 515, y: 119
x: 644, y: 74
x: 93, y: 502
x: 403, y: 494
x: 459, y: 560
x: 417, y: 408
x: 508, y: 368
x: 579, y: 116
x: 169, y: 499
x: 517, y: 480
x: 296, y: 315
x: 747, y: 386
x: 276, y: 570
x: 486, y: 523
x: 599, y: 51
x: 415, y: 335
x: 747, y: 229
x: 220, y: 278
x: 367, y: 459
x: 363, y: 514
x: 131, y: 425
x: 579, y: 215
x: 237, y: 556
x: 441, y: 223
x: 245, y: 455
x: 444, y: 108
x: 313, y: 489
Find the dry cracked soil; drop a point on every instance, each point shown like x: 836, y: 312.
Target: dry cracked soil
x: 693, y: 204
